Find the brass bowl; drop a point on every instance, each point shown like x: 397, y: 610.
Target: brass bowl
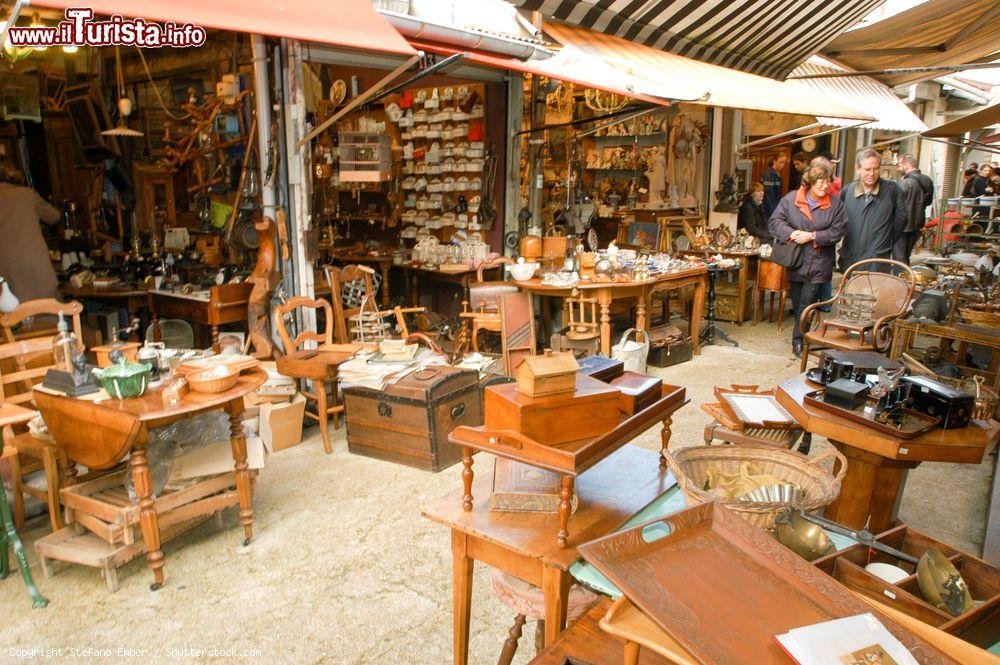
x: 941, y: 584
x: 924, y: 274
x: 806, y: 539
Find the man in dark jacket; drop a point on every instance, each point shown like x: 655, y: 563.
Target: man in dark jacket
x: 773, y: 185
x: 917, y: 191
x: 875, y: 213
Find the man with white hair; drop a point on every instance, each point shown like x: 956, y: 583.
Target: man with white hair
x: 875, y: 213
x: 917, y: 192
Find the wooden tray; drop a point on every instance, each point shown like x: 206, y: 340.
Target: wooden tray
x: 721, y: 588
x: 915, y: 423
x: 735, y: 402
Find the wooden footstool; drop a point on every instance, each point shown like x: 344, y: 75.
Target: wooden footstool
x: 527, y: 600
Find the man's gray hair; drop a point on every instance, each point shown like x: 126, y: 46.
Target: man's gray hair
x: 909, y: 159
x: 868, y: 153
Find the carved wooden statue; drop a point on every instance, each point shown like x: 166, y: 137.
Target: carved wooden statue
x: 263, y: 279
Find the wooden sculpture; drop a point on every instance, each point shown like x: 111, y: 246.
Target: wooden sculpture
x: 264, y: 280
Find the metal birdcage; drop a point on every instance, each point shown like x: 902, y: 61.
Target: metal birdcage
x: 364, y: 156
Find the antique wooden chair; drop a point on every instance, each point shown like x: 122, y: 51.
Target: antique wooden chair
x: 327, y: 404
x: 771, y: 278
x: 482, y: 311
x: 361, y: 285
x: 23, y: 364
x: 892, y: 295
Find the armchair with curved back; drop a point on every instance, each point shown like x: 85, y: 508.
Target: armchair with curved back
x: 893, y: 295
x: 482, y: 311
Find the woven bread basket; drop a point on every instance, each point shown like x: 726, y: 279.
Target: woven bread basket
x: 690, y: 467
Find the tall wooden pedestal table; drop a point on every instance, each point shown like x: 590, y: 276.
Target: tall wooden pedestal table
x: 10, y: 415
x: 100, y: 435
x: 524, y: 544
x: 877, y: 462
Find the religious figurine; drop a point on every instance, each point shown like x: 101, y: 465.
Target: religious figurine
x: 725, y: 197
x: 657, y: 174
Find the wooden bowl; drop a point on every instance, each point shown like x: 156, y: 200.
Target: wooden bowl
x: 213, y: 380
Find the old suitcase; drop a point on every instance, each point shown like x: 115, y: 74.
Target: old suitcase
x: 953, y: 406
x: 668, y: 345
x: 409, y: 421
x: 589, y: 411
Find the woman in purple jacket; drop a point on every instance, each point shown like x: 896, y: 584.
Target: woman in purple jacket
x: 810, y: 217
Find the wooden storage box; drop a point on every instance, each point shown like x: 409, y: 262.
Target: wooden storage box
x: 592, y: 409
x: 601, y: 367
x: 979, y: 626
x: 638, y: 391
x: 548, y: 374
x: 671, y: 353
x: 408, y: 422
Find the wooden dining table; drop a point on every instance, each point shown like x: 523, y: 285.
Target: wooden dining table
x: 877, y: 462
x: 607, y: 292
x: 100, y: 434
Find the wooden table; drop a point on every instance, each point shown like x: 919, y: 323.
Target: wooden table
x: 380, y: 262
x: 877, y: 462
x: 223, y: 304
x: 414, y: 273
x: 11, y: 414
x: 570, y: 459
x: 100, y: 435
x: 135, y: 300
x: 586, y: 642
x: 521, y: 544
x: 608, y: 292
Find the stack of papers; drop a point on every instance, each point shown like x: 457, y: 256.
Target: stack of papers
x: 856, y: 640
x: 359, y: 372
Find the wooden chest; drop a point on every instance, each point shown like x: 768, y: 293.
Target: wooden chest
x: 591, y: 410
x: 637, y: 391
x: 408, y: 422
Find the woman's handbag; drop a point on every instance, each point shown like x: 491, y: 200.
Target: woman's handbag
x: 788, y: 254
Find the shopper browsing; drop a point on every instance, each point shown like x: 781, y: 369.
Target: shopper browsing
x: 875, y: 213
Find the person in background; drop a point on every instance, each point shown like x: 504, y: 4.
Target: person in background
x: 810, y: 217
x: 917, y: 191
x: 773, y: 185
x: 826, y: 289
x: 24, y: 256
x: 800, y: 161
x: 837, y: 183
x: 981, y: 187
x: 875, y: 213
x: 751, y: 215
x: 970, y: 177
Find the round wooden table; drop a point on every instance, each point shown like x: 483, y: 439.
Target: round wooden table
x: 99, y: 435
x: 878, y: 462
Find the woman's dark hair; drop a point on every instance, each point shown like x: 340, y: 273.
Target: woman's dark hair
x: 816, y: 172
x: 971, y: 171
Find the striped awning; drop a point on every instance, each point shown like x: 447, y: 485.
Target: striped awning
x: 727, y: 88
x: 939, y: 33
x: 863, y: 92
x: 765, y: 37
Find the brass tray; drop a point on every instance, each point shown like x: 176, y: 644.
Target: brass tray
x: 722, y: 588
x: 914, y: 422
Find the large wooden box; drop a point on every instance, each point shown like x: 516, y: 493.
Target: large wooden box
x: 589, y: 411
x: 408, y: 422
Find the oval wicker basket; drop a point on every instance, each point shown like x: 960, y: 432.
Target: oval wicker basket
x: 821, y: 487
x: 207, y: 381
x: 987, y: 316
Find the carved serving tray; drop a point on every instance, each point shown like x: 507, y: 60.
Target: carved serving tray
x: 722, y: 588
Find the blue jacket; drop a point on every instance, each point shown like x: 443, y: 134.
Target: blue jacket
x: 772, y: 191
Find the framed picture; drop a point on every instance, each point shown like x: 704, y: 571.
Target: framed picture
x: 644, y: 235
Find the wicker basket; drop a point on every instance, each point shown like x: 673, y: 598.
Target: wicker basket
x: 208, y: 381
x: 690, y: 467
x: 987, y: 316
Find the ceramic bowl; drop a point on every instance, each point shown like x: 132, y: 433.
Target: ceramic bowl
x: 522, y: 271
x: 887, y: 572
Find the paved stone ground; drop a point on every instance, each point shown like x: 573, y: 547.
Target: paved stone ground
x: 344, y: 570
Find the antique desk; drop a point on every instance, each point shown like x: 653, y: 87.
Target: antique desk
x: 135, y: 300
x: 571, y: 459
x: 608, y: 292
x: 213, y: 308
x: 522, y: 544
x: 586, y: 642
x: 12, y: 414
x: 877, y: 462
x: 99, y: 435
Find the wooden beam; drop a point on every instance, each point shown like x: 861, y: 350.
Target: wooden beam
x: 972, y: 25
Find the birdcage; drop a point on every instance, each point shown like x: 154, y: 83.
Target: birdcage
x: 369, y: 324
x: 364, y: 156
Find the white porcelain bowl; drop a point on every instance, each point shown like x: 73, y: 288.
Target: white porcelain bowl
x: 887, y: 572
x: 522, y: 271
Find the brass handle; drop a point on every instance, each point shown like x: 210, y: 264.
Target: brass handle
x: 384, y: 410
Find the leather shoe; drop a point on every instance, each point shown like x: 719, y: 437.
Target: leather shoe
x: 797, y: 350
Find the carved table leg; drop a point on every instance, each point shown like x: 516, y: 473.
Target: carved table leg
x: 238, y: 441
x: 510, y: 644
x: 467, y: 476
x: 665, y: 440
x: 143, y: 483
x: 565, y: 505
x: 384, y: 267
x: 215, y: 338
x: 605, y: 324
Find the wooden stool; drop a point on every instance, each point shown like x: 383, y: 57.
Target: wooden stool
x: 527, y: 601
x: 771, y: 277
